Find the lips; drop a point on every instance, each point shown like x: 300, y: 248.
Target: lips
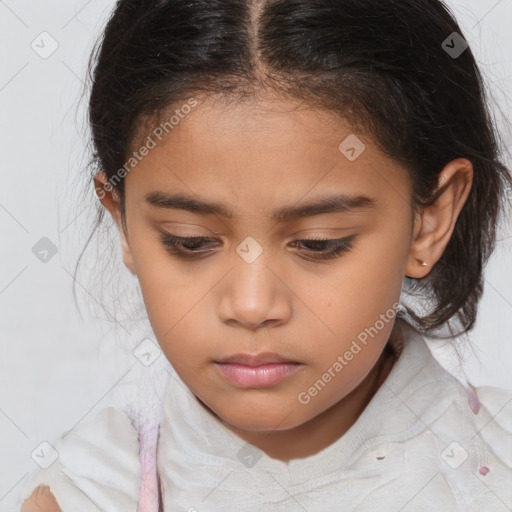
x: 257, y: 370
x: 256, y: 359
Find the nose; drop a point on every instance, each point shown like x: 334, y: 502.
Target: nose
x: 254, y: 296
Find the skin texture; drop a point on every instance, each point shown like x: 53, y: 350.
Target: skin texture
x: 255, y: 157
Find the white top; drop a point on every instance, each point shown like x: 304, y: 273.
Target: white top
x: 416, y: 447
x: 98, y: 467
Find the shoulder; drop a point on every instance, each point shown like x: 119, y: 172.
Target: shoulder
x: 96, y: 467
x: 476, y: 449
x: 464, y: 434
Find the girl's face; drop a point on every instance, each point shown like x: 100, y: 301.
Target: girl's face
x: 245, y: 178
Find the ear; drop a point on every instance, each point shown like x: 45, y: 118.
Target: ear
x: 109, y: 198
x: 433, y: 227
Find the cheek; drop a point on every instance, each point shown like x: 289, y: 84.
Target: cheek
x: 356, y: 310
x: 162, y: 278
x: 377, y: 277
x: 170, y: 291
x: 172, y: 310
x: 360, y: 288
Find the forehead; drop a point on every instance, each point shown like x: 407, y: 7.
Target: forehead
x: 256, y: 153
x: 270, y: 123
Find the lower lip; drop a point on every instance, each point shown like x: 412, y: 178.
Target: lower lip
x: 257, y: 376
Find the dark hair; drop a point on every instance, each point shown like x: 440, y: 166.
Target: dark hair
x: 389, y: 68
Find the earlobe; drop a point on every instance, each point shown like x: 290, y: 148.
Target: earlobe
x: 434, y: 227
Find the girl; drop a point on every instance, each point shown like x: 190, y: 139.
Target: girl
x: 284, y: 174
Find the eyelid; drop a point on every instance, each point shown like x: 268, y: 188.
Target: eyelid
x: 315, y: 236
x: 172, y: 226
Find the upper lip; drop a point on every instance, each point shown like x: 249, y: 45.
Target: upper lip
x: 255, y: 359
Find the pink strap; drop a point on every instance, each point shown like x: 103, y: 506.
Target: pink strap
x: 148, y: 494
x: 473, y: 401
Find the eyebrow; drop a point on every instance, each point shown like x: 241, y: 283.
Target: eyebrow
x: 331, y: 204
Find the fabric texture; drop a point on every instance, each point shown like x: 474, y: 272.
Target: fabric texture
x: 424, y: 442
x: 98, y: 467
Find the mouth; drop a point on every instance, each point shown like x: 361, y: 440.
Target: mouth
x: 256, y: 371
x: 256, y: 359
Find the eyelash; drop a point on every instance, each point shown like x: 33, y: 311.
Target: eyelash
x: 336, y: 247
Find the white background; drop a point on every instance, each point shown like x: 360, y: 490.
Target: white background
x: 56, y: 368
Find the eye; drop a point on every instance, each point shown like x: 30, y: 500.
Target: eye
x: 184, y: 246
x: 189, y: 247
x: 324, y: 248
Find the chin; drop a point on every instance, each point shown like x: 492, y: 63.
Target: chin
x: 251, y: 419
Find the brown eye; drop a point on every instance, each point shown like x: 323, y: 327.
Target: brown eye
x: 323, y: 248
x: 185, y: 246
